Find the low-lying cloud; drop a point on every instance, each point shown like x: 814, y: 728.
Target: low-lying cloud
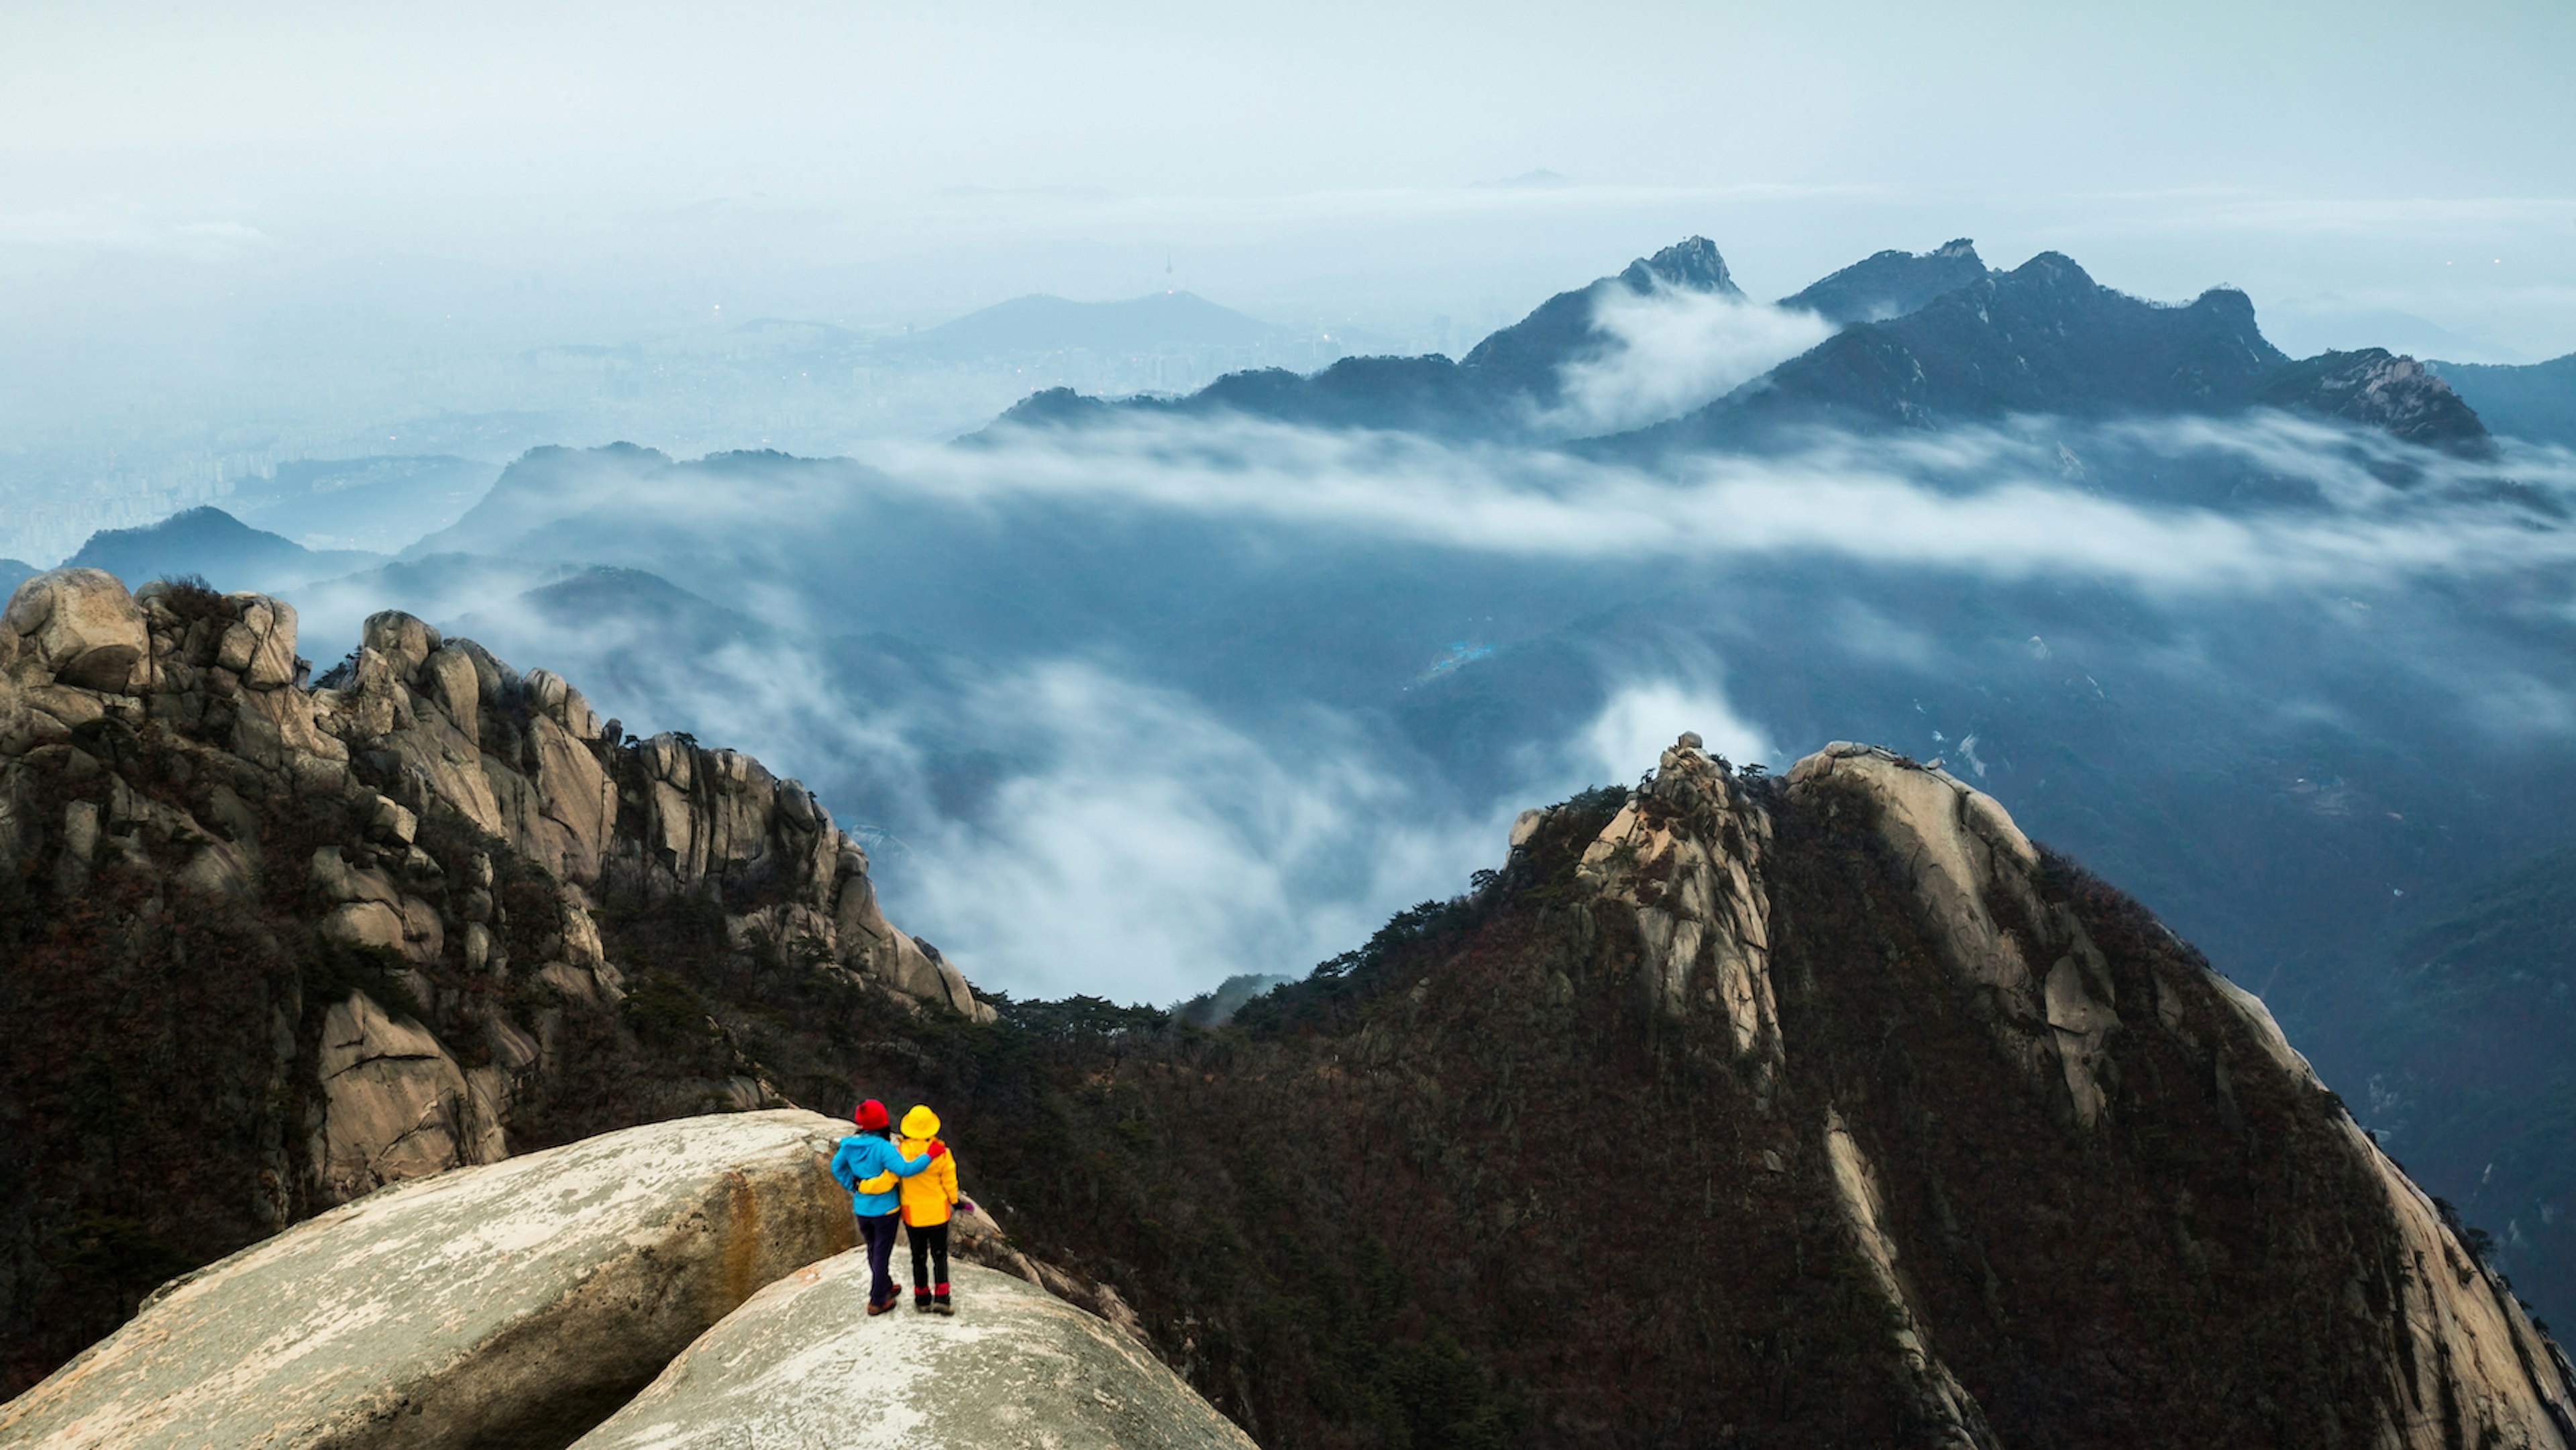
x: 1127, y: 835
x: 1995, y: 501
x: 1671, y: 351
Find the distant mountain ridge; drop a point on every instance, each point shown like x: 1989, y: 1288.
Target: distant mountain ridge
x: 2045, y: 338
x: 2536, y: 401
x: 379, y: 502
x: 1495, y: 389
x: 1928, y: 340
x: 211, y: 542
x: 1890, y: 283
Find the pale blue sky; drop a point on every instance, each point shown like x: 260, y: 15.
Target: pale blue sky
x: 355, y: 187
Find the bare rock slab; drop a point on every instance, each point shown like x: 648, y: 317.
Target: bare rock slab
x: 511, y: 1304
x: 802, y: 1365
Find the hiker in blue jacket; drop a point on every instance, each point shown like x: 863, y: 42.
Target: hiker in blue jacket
x: 868, y: 1164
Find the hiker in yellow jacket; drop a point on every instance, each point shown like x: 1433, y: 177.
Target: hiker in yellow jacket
x: 928, y: 1200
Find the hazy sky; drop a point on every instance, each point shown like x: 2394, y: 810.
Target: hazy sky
x: 345, y: 188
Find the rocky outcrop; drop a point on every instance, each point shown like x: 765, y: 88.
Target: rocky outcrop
x: 397, y: 888
x: 526, y: 759
x: 396, y: 1105
x: 1683, y: 858
x: 438, y: 727
x: 80, y: 626
x: 803, y: 1364
x: 511, y: 1304
x: 2379, y: 389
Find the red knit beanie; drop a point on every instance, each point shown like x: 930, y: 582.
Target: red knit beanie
x: 872, y: 1114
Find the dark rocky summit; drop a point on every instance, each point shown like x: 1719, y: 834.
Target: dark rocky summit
x: 1818, y: 1111
x: 1730, y: 1110
x: 2045, y: 339
x: 1890, y: 283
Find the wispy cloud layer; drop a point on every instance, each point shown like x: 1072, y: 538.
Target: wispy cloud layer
x: 1997, y: 501
x: 1121, y: 829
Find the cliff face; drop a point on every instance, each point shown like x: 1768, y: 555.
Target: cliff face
x: 273, y: 945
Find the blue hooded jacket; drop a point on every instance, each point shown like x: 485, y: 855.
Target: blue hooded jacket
x: 867, y: 1156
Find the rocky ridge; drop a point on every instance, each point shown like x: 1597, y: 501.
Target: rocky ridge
x: 1890, y: 283
x: 1503, y: 386
x: 2045, y: 339
x: 362, y: 915
x: 2467, y: 1363
x: 1887, y: 1126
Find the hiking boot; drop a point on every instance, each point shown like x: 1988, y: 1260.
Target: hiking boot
x: 921, y: 1302
x: 942, y: 1306
x: 875, y: 1309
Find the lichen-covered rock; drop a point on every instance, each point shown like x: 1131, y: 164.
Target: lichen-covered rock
x: 82, y: 625
x: 260, y: 645
x: 510, y: 1304
x: 802, y: 1364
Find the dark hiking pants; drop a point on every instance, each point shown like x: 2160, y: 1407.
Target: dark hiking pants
x: 878, y: 1230
x: 929, y: 1247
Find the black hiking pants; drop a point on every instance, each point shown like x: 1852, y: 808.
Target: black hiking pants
x: 929, y: 1247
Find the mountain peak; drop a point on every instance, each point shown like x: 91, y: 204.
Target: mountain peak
x: 206, y: 540
x: 2053, y: 269
x: 1689, y: 265
x: 1890, y: 284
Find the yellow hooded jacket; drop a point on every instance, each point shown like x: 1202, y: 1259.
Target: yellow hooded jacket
x: 929, y: 1194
